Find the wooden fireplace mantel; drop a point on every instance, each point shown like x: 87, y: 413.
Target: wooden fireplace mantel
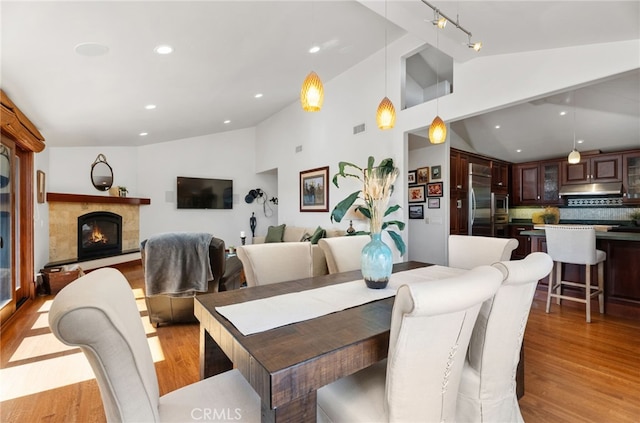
x: 83, y: 198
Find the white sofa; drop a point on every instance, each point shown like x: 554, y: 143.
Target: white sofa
x: 297, y: 234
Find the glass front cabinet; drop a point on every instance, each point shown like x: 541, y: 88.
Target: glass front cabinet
x: 631, y: 177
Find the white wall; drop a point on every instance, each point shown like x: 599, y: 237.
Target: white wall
x: 70, y: 169
x: 228, y: 155
x: 41, y: 213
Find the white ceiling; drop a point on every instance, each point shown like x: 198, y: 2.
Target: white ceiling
x: 226, y: 52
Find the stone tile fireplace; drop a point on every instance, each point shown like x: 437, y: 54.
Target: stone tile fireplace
x: 65, y: 209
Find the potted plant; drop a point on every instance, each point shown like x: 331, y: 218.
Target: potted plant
x: 377, y: 186
x: 122, y: 191
x: 635, y: 217
x: 549, y: 216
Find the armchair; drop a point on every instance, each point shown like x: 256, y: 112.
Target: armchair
x: 227, y: 274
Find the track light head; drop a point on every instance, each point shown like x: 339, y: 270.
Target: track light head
x: 476, y: 46
x: 439, y: 21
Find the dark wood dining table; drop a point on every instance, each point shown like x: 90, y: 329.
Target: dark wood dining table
x: 288, y: 364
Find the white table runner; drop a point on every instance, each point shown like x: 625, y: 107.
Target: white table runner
x: 268, y: 313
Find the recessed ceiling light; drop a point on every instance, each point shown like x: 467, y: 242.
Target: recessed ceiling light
x: 314, y: 49
x: 258, y: 95
x: 579, y: 141
x: 143, y: 134
x: 91, y: 49
x: 163, y: 49
x: 150, y: 106
x: 518, y: 151
x: 497, y: 126
x: 227, y: 121
x: 562, y: 113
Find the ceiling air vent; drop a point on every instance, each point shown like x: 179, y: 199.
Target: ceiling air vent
x: 358, y: 128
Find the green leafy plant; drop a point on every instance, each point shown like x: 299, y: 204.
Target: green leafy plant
x: 377, y: 188
x: 635, y: 215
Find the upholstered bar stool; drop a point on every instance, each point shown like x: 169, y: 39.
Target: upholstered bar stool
x: 575, y: 245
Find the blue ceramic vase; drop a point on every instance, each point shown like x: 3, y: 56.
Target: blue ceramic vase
x: 377, y: 262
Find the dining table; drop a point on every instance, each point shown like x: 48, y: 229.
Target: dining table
x: 287, y: 364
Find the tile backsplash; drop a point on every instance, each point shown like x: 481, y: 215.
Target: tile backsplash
x: 581, y: 213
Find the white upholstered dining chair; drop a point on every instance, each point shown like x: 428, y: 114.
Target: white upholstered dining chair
x: 98, y: 313
x: 576, y: 245
x: 487, y: 391
x: 467, y: 252
x: 276, y: 262
x: 431, y: 324
x: 343, y: 253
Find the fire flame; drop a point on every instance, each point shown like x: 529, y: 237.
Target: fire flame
x: 97, y: 237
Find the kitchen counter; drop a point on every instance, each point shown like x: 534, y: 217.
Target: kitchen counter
x: 621, y: 270
x: 618, y: 236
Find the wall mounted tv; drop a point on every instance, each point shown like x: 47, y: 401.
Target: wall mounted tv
x: 204, y: 193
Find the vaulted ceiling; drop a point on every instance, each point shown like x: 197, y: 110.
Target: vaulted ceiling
x: 226, y: 52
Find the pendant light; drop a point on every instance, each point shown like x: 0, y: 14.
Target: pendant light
x: 312, y: 91
x: 386, y: 115
x: 574, y: 156
x: 438, y: 129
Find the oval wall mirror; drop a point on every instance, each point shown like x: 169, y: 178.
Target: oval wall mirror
x: 101, y: 173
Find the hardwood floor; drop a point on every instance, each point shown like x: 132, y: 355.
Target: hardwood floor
x: 574, y: 371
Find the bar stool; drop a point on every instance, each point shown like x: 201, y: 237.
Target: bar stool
x: 575, y: 245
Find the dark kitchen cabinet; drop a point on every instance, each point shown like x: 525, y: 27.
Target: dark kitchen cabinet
x: 536, y: 183
x: 524, y: 241
x: 631, y: 177
x: 458, y: 193
x: 593, y: 169
x: 499, y: 177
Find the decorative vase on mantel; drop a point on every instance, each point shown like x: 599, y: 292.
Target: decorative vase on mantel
x: 376, y: 262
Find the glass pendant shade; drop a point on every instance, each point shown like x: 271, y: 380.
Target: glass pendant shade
x: 312, y: 93
x: 386, y: 116
x: 574, y: 156
x: 437, y: 131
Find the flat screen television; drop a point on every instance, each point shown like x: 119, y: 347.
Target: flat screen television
x: 204, y: 193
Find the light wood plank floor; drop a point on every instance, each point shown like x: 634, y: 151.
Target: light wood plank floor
x: 574, y: 372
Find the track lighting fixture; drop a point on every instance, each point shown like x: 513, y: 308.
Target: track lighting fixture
x: 441, y: 20
x: 476, y: 46
x: 438, y: 20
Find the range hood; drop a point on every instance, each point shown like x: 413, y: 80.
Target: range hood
x: 609, y: 188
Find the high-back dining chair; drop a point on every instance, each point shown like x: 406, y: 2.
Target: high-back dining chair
x: 467, y: 252
x: 576, y: 245
x: 98, y: 313
x: 343, y: 253
x: 276, y: 262
x: 431, y: 324
x: 488, y: 386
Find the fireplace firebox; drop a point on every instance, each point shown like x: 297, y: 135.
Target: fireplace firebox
x: 99, y: 235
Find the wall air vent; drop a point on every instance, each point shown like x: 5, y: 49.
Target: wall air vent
x: 358, y: 128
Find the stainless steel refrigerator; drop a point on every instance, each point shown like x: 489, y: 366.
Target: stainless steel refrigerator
x: 479, y: 200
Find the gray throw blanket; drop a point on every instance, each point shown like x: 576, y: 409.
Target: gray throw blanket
x: 177, y: 264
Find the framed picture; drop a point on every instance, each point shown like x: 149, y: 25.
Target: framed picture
x: 40, y: 179
x: 436, y: 172
x: 411, y: 177
x: 422, y: 176
x: 434, y: 189
x: 416, y: 194
x: 314, y: 190
x: 416, y: 211
x: 433, y: 203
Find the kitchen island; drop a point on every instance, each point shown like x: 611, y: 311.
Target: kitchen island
x: 621, y: 270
